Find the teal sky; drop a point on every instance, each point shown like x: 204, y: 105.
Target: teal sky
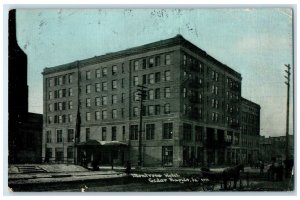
x: 254, y: 42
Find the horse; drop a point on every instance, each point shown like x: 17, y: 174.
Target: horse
x: 224, y: 176
x: 232, y: 172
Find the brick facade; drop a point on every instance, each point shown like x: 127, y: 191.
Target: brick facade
x: 191, y: 114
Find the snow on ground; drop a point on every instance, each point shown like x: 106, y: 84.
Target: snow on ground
x: 62, y: 168
x: 50, y: 168
x: 13, y: 169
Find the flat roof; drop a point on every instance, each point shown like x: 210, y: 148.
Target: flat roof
x: 177, y: 40
x: 251, y: 103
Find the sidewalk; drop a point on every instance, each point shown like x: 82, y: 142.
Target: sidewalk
x: 61, y: 173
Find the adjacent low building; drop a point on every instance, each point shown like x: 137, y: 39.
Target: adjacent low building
x: 191, y: 109
x: 274, y: 148
x: 250, y: 125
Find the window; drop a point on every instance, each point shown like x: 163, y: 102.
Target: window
x: 157, y: 60
x: 64, y: 118
x: 60, y: 80
x: 113, y: 133
x: 167, y: 130
x: 136, y: 96
x: 104, y: 71
x: 56, y: 106
x: 167, y: 108
x: 184, y: 92
x: 56, y: 81
x: 144, y: 79
x: 97, y: 101
x: 151, y: 110
x: 104, y: 86
x: 167, y: 155
x: 150, y: 129
x: 151, y: 62
x: 50, y: 119
x: 59, y: 137
x: 97, y: 115
x: 70, y: 78
x: 55, y: 119
x: 123, y: 69
x: 212, y: 75
x: 133, y: 135
x: 87, y: 134
x: 97, y: 87
x: 60, y: 93
x: 50, y: 95
x: 168, y: 59
x: 70, y: 152
x: 88, y: 89
x: 97, y: 73
x: 49, y: 137
x: 114, y: 114
x: 144, y: 63
x: 135, y: 111
x: 88, y: 102
x: 70, y: 135
x: 157, y: 93
x: 135, y: 80
x: 185, y: 109
x: 88, y: 75
x: 59, y: 154
x: 167, y: 92
x: 88, y: 116
x: 184, y: 59
x: 136, y: 65
x: 104, y: 114
x: 114, y: 84
x: 70, y: 105
x: 70, y: 118
x: 50, y: 107
x: 70, y: 92
x: 201, y: 67
x: 48, y: 154
x: 157, y: 77
x: 56, y: 94
x: 114, y: 99
x: 187, y: 132
x: 103, y: 133
x: 64, y: 92
x: 157, y: 109
x: 151, y: 78
x: 150, y: 94
x: 104, y: 100
x: 60, y: 119
x: 114, y: 69
x: 123, y: 133
x: 167, y: 76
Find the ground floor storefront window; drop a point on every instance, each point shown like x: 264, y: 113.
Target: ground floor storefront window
x: 167, y: 155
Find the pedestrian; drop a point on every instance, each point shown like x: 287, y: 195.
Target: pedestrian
x: 280, y: 171
x: 261, y: 166
x: 128, y: 168
x: 83, y: 188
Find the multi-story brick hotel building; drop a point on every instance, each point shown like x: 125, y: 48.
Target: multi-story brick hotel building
x: 191, y: 113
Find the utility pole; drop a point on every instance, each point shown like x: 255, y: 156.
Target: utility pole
x: 142, y: 94
x: 287, y: 111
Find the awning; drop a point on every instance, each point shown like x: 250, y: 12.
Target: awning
x: 102, y: 143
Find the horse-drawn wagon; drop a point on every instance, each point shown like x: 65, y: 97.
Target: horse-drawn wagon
x: 210, y: 180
